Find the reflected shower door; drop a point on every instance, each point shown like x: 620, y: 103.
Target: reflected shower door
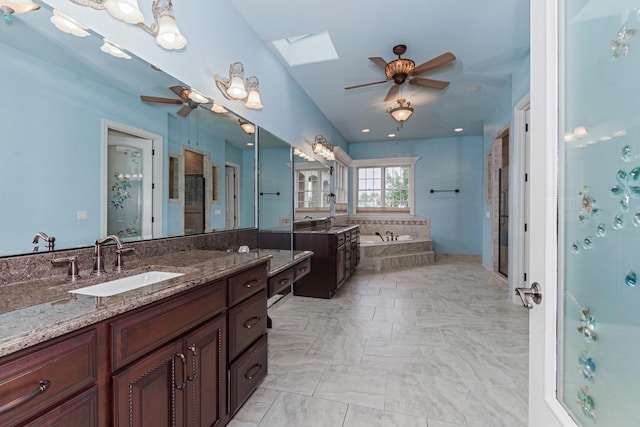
x: 503, y: 246
x: 129, y: 178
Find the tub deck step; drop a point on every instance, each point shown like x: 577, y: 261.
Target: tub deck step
x: 397, y: 261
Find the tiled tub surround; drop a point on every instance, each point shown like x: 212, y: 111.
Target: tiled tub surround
x: 37, y: 310
x: 394, y: 255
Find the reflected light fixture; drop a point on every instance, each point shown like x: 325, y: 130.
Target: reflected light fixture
x: 196, y: 96
x: 401, y: 112
x: 249, y: 128
x: 11, y: 7
x: 217, y: 108
x: 113, y: 49
x: 68, y: 25
x: 164, y: 27
x: 235, y: 88
x: 125, y: 10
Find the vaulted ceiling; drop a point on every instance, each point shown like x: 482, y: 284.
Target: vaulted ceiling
x: 489, y: 38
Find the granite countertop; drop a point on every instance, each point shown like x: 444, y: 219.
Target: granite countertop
x: 39, y: 310
x: 332, y: 230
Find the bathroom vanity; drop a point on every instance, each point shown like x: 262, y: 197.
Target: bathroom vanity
x: 186, y: 351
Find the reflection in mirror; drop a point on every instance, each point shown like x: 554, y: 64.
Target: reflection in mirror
x: 72, y: 116
x: 275, y: 190
x: 312, y: 183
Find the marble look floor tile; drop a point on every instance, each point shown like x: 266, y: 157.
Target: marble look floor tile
x: 358, y: 416
x: 432, y: 397
x: 294, y: 373
x: 237, y: 423
x: 416, y: 335
x: 351, y: 328
x: 352, y: 384
x: 289, y: 342
x: 495, y: 407
x: 378, y: 282
x: 391, y: 351
x: 377, y: 301
x: 361, y: 291
x: 402, y: 303
x: 338, y: 348
x: 251, y: 413
x: 288, y: 323
x: 433, y: 423
x: 355, y: 312
x: 395, y: 315
x: 396, y: 293
x: 294, y: 410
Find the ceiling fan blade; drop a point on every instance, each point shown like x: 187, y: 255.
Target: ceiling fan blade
x: 156, y: 99
x: 436, y: 62
x: 393, y: 93
x: 379, y: 62
x: 430, y: 83
x: 184, y: 111
x: 366, y: 84
x: 179, y: 90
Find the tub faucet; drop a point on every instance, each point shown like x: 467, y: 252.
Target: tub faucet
x: 98, y: 259
x: 387, y: 233
x: 380, y: 235
x: 41, y: 235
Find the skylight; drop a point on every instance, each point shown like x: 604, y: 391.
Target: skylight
x: 306, y: 48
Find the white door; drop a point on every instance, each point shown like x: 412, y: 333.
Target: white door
x: 585, y: 222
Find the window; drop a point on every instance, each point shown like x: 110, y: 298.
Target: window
x: 341, y: 183
x: 384, y: 185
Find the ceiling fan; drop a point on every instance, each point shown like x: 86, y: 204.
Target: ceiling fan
x: 402, y: 70
x: 186, y: 97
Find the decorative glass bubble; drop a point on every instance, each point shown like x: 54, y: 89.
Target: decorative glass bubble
x: 601, y: 230
x: 588, y: 206
x: 631, y: 279
x: 575, y: 248
x: 587, y: 243
x: 625, y: 153
x: 586, y: 365
x: 588, y: 325
x: 618, y: 221
x: 636, y: 219
x: 586, y: 402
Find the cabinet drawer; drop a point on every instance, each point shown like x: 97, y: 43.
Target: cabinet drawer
x: 47, y: 376
x: 145, y: 329
x: 82, y: 410
x: 281, y: 281
x: 247, y: 283
x: 303, y: 268
x: 340, y: 238
x: 247, y: 372
x: 247, y: 321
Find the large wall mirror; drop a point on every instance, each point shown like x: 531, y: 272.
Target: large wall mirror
x: 82, y: 156
x: 312, y: 184
x: 275, y: 190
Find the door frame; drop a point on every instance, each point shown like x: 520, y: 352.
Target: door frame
x: 236, y: 189
x: 157, y: 148
x: 208, y: 189
x: 544, y: 408
x: 519, y: 198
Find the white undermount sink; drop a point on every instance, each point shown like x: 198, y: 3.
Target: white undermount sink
x: 125, y: 284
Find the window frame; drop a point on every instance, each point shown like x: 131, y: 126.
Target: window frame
x: 385, y: 163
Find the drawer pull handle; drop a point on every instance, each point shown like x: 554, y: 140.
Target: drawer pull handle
x: 184, y: 371
x: 283, y: 281
x: 252, y: 322
x: 194, y: 372
x: 253, y: 371
x: 253, y: 283
x: 303, y: 269
x: 43, y: 385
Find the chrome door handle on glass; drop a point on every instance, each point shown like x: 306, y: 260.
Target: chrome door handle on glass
x: 535, y: 292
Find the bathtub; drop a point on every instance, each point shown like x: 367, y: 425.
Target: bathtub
x: 375, y: 240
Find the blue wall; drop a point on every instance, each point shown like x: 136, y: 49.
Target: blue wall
x: 275, y: 176
x: 445, y: 163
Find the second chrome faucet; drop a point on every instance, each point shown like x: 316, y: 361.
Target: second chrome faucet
x: 98, y: 258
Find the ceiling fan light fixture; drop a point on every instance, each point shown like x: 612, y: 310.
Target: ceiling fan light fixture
x: 125, y: 10
x: 402, y: 111
x: 249, y: 128
x: 399, y: 69
x: 196, y: 96
x: 217, y: 108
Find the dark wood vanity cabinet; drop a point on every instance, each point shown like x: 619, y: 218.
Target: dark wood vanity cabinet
x: 332, y: 262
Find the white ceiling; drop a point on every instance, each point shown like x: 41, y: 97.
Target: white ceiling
x: 488, y: 37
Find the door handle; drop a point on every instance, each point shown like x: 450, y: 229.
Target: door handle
x: 534, y: 292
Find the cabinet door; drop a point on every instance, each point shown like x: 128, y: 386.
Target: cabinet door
x: 340, y: 264
x: 150, y: 391
x: 206, y: 381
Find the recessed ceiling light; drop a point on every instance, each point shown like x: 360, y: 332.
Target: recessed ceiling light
x: 458, y: 129
x: 604, y: 138
x: 366, y: 130
x: 250, y: 144
x: 472, y: 88
x: 620, y: 132
x: 392, y: 135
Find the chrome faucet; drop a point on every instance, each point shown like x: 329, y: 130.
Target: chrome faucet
x: 389, y: 233
x: 41, y: 235
x: 98, y: 258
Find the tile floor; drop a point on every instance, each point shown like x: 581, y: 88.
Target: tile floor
x: 436, y: 346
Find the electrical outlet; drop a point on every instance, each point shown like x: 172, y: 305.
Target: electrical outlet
x: 81, y: 215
